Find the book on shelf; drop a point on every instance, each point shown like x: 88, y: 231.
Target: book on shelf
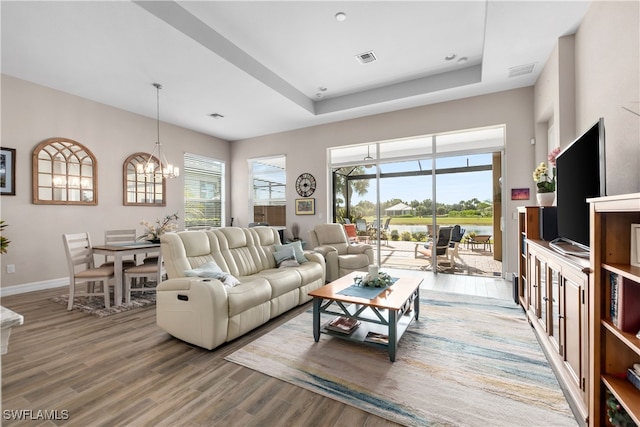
x: 625, y: 298
x: 634, y: 377
x: 377, y: 337
x: 343, y: 324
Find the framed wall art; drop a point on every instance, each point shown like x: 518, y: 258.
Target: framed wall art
x: 7, y: 171
x: 519, y: 194
x: 306, y: 206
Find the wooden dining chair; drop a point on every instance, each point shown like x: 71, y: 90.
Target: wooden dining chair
x: 83, y: 270
x: 112, y: 237
x: 142, y: 278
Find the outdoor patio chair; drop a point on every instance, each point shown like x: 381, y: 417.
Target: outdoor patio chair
x: 352, y: 234
x: 456, y: 237
x: 442, y: 250
x: 483, y: 240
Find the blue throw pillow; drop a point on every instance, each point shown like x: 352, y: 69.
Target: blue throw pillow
x: 297, y: 249
x: 285, y: 254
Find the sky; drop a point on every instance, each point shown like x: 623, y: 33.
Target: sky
x: 451, y: 188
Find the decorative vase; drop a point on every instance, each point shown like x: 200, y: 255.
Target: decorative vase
x: 546, y: 199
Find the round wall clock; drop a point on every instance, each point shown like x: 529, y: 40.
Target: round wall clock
x: 305, y: 185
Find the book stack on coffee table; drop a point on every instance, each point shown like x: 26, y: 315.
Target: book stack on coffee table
x: 342, y: 324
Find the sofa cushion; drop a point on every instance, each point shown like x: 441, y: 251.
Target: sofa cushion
x: 297, y: 249
x: 281, y: 280
x: 252, y: 292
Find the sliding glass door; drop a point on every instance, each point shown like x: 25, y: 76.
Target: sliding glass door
x: 402, y: 190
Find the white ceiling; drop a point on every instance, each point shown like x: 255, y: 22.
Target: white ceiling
x: 261, y: 64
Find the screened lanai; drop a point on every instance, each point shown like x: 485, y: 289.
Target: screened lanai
x: 446, y: 180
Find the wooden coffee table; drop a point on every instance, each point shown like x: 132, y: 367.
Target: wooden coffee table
x: 388, y: 314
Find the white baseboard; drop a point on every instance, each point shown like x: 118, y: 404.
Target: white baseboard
x: 35, y: 286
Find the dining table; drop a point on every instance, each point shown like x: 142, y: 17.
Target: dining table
x: 120, y: 250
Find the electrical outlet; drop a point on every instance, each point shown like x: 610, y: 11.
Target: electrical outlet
x: 11, y: 268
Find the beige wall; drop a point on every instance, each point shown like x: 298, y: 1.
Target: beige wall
x: 306, y: 149
x: 591, y: 75
x: 31, y: 114
x: 607, y: 79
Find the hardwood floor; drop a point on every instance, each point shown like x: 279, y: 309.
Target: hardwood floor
x: 124, y: 370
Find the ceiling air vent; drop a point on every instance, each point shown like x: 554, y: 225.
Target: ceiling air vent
x: 366, y: 57
x: 521, y: 70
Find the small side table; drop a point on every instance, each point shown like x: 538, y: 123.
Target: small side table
x: 8, y: 319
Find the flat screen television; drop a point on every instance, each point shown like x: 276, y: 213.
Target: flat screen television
x: 580, y: 175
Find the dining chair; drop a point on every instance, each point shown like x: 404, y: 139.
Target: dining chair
x: 83, y: 270
x: 149, y: 272
x: 120, y: 236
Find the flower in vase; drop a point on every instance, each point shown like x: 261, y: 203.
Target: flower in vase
x: 546, y: 181
x: 154, y: 231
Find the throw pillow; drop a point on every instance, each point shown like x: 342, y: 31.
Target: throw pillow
x: 297, y: 248
x: 208, y: 269
x: 213, y: 271
x: 229, y: 281
x: 285, y: 254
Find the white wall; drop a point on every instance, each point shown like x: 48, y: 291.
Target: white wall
x: 306, y: 150
x: 31, y: 114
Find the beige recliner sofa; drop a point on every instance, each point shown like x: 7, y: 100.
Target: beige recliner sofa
x: 341, y: 257
x: 206, y: 311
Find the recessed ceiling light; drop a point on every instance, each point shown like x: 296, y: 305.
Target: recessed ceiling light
x: 319, y: 95
x: 322, y: 89
x: 462, y: 60
x: 341, y: 16
x: 450, y: 57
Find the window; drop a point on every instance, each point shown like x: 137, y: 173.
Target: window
x: 268, y: 184
x: 203, y: 191
x: 142, y: 189
x: 64, y: 172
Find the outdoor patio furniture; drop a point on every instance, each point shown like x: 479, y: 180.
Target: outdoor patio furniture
x: 443, y: 254
x: 483, y: 240
x: 352, y: 234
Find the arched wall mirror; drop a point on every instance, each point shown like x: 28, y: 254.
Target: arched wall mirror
x: 64, y: 173
x: 142, y: 189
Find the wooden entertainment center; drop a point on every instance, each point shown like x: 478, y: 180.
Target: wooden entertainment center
x: 567, y: 300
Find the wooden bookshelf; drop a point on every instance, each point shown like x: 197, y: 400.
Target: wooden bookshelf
x: 613, y: 351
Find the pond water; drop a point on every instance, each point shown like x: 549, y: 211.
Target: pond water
x: 479, y: 229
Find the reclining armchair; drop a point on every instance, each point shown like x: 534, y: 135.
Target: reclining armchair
x: 341, y: 257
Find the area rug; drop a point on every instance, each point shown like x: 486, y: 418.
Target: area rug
x: 95, y: 305
x: 468, y: 361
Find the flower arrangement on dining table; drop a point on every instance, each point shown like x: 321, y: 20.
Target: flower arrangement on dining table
x: 153, y: 232
x: 546, y: 183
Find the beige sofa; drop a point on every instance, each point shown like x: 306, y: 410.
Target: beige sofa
x: 205, y: 311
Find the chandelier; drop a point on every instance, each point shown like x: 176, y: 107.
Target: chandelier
x: 162, y: 167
